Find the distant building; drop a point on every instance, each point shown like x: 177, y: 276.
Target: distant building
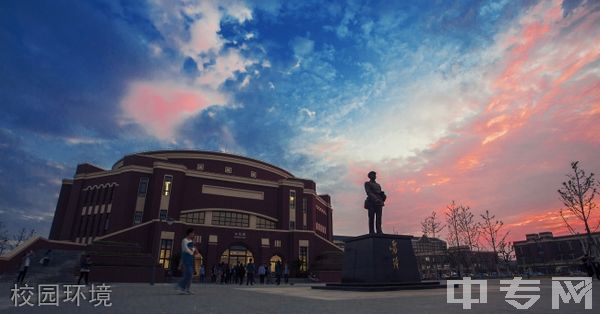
x: 543, y: 252
x: 432, y: 256
x: 340, y: 241
x: 465, y: 261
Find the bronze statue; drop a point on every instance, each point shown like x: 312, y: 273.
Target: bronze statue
x: 374, y: 202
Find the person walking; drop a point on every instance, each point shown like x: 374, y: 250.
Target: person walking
x: 187, y: 261
x: 84, y: 269
x: 25, y: 262
x: 250, y: 269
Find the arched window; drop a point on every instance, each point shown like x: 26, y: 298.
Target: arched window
x: 235, y: 254
x: 273, y: 261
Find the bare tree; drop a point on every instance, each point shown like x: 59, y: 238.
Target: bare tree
x: 577, y: 195
x: 469, y: 228
x: 506, y: 250
x: 22, y: 236
x: 431, y: 226
x: 4, y: 245
x: 491, y: 230
x: 453, y: 223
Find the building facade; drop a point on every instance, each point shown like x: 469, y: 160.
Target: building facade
x: 544, y: 253
x: 432, y: 256
x: 240, y: 209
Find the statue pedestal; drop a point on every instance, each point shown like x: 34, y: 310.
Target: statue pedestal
x: 380, y: 262
x: 380, y: 258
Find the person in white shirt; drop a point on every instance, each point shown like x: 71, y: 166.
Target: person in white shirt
x: 187, y: 261
x: 25, y: 262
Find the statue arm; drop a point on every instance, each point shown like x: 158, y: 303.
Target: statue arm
x: 372, y: 195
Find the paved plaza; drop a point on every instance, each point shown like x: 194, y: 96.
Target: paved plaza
x: 299, y: 298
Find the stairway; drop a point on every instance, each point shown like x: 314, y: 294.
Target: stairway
x: 62, y: 268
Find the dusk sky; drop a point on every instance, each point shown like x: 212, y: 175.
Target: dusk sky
x: 481, y: 102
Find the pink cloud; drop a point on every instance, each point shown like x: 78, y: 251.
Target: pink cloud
x: 510, y: 158
x: 161, y: 107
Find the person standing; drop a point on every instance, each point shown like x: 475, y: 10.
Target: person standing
x: 261, y: 273
x: 187, y: 261
x: 25, y: 262
x: 242, y: 273
x: 286, y: 273
x: 278, y: 272
x: 202, y: 273
x: 250, y: 269
x: 84, y: 270
x: 374, y: 203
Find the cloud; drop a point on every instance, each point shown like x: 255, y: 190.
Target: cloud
x: 498, y: 135
x: 160, y: 106
x: 302, y: 46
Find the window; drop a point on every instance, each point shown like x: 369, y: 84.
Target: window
x: 193, y: 218
x: 292, y: 200
x: 200, y: 167
x: 253, y: 174
x: 303, y: 258
x: 232, y: 219
x: 101, y: 196
x: 106, y: 223
x: 277, y: 243
x: 304, y: 214
x: 166, y: 248
x: 137, y: 218
x: 143, y: 186
x: 167, y: 185
x: 228, y: 170
x: 265, y: 242
x: 110, y: 194
x: 319, y: 227
x: 162, y: 214
x: 88, y: 197
x: 213, y: 239
x: 262, y: 223
x: 94, y: 196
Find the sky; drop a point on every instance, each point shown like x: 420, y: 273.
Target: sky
x: 482, y: 102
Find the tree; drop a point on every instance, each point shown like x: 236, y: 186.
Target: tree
x: 431, y: 227
x: 506, y: 250
x: 577, y: 195
x: 4, y: 244
x: 491, y: 230
x: 452, y: 219
x: 22, y: 236
x: 469, y: 228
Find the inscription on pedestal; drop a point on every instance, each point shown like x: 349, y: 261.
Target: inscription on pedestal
x: 380, y: 258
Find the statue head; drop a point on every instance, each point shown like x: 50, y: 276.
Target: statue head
x: 372, y: 175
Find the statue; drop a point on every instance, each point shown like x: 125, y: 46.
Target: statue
x: 374, y: 203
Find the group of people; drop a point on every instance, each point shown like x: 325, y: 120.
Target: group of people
x: 85, y: 262
x: 241, y: 273
x: 224, y: 273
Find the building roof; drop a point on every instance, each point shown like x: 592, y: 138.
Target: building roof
x: 168, y: 154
